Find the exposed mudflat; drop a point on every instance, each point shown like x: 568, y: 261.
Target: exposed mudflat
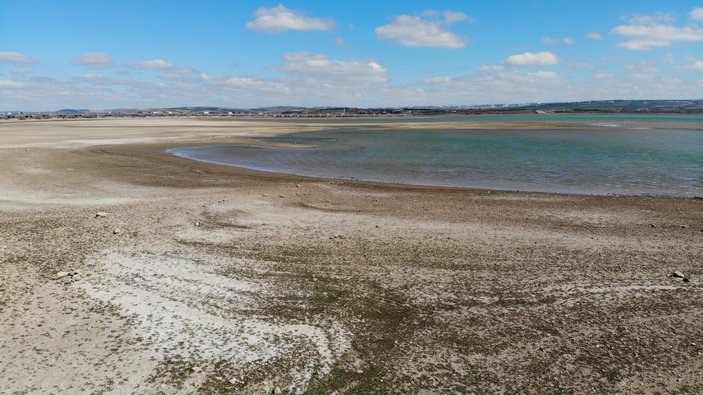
x: 206, y: 279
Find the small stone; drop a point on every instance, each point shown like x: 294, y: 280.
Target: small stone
x: 76, y: 277
x: 67, y: 280
x: 686, y: 279
x: 281, y: 196
x: 359, y: 371
x: 652, y: 226
x: 164, y: 387
x: 101, y: 214
x: 297, y: 185
x: 277, y: 390
x: 61, y: 275
x: 233, y: 381
x: 116, y: 231
x: 677, y: 274
x: 683, y: 226
x: 197, y: 224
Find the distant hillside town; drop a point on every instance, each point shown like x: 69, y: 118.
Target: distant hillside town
x: 601, y: 106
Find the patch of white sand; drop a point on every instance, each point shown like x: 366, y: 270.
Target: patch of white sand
x: 181, y: 305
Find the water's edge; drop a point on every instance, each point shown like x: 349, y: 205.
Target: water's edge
x: 606, y: 162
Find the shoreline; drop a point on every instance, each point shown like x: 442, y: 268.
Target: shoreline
x: 388, y: 184
x: 183, y: 276
x: 269, y: 168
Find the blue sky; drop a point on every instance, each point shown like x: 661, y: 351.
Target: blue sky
x: 110, y: 54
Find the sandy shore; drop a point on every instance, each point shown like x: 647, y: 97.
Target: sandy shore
x: 207, y: 279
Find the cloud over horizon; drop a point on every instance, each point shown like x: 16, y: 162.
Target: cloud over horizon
x: 645, y: 32
x: 96, y: 60
x: 15, y: 58
x: 158, y: 64
x: 320, y: 66
x: 531, y: 59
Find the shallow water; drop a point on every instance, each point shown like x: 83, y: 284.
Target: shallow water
x: 610, y: 160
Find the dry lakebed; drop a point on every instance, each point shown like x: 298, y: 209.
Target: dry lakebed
x: 124, y: 269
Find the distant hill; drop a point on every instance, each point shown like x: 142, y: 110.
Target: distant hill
x: 621, y: 106
x: 278, y: 109
x: 73, y: 111
x: 595, y: 106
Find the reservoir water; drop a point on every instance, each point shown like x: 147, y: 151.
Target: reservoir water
x: 605, y: 156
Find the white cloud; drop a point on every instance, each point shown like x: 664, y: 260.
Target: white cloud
x: 642, y: 76
x: 89, y: 77
x: 415, y: 31
x: 158, y: 64
x: 448, y: 16
x: 96, y: 60
x: 646, y: 32
x: 242, y: 82
x: 697, y: 14
x: 280, y: 18
x: 602, y: 76
x: 329, y: 89
x: 543, y: 76
x: 594, y: 36
x: 530, y: 59
x: 643, y: 45
x: 179, y: 73
x: 10, y: 84
x: 340, y: 42
x: 552, y: 40
x: 253, y: 86
x: 15, y: 58
x: 658, y: 18
x: 491, y: 67
x: 439, y: 80
x: 321, y: 67
x: 501, y: 87
x: 643, y: 67
x: 696, y: 65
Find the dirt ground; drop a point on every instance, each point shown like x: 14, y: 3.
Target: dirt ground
x: 127, y: 270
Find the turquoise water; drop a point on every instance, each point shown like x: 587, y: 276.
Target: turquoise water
x: 648, y: 120
x: 618, y: 160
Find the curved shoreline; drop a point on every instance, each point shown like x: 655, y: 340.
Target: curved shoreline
x: 372, y: 171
